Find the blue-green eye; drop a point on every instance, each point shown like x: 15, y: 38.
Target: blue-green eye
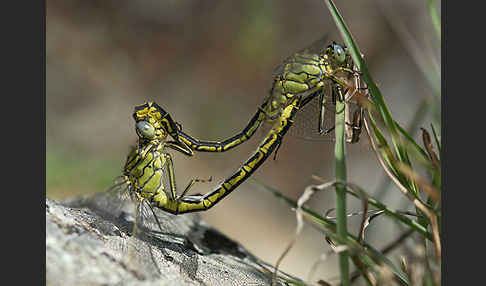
x: 145, y: 129
x: 339, y: 53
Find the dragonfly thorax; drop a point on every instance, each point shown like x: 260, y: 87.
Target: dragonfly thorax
x: 144, y: 171
x: 300, y: 75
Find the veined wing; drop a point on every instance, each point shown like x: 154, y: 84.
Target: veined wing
x: 313, y: 49
x: 136, y: 219
x: 306, y: 124
x: 113, y: 203
x: 316, y: 120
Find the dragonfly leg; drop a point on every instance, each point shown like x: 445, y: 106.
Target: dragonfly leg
x: 357, y: 86
x: 191, y: 183
x: 351, y: 71
x: 356, y: 126
x: 181, y: 147
x: 170, y: 169
x: 326, y: 131
x: 142, y: 150
x: 322, y: 115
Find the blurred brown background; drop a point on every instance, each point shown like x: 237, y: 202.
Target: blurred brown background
x: 210, y: 64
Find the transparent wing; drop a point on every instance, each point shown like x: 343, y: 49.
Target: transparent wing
x: 314, y: 48
x: 114, y: 201
x: 140, y: 254
x: 137, y: 219
x: 147, y: 218
x: 306, y: 123
x: 119, y: 204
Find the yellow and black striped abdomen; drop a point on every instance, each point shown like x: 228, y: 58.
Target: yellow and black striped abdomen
x: 269, y: 144
x: 225, y: 145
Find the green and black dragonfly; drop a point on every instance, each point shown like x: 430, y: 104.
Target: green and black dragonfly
x: 148, y: 174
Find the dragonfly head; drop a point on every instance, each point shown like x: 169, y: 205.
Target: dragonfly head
x: 338, y: 54
x: 153, y: 123
x: 145, y: 130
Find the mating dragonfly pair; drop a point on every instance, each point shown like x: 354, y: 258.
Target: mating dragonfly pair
x: 324, y: 76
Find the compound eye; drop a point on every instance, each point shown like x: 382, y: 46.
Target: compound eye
x: 339, y: 53
x: 145, y: 129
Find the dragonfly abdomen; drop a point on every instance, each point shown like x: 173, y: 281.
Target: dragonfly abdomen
x: 269, y: 144
x: 222, y: 146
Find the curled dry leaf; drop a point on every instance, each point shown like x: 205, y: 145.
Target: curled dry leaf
x: 430, y: 149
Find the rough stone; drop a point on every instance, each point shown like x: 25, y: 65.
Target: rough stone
x: 89, y: 245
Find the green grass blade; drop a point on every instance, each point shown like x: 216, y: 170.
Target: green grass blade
x: 411, y: 129
x: 411, y: 140
x: 329, y: 228
x: 390, y: 158
x: 391, y: 213
x: 340, y: 170
x: 366, y: 253
x: 373, y: 89
x: 434, y: 15
x: 372, y: 201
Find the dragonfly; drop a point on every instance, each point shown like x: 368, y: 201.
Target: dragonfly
x: 311, y: 75
x: 148, y: 174
x: 149, y: 170
x: 148, y: 180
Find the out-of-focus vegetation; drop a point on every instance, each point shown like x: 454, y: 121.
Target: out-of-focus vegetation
x: 210, y: 64
x: 70, y: 175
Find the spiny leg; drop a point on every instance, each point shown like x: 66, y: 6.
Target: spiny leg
x: 191, y: 184
x: 181, y: 147
x: 336, y: 94
x: 351, y: 71
x: 322, y: 115
x: 353, y: 128
x: 172, y: 183
x: 357, y: 85
x: 356, y: 126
